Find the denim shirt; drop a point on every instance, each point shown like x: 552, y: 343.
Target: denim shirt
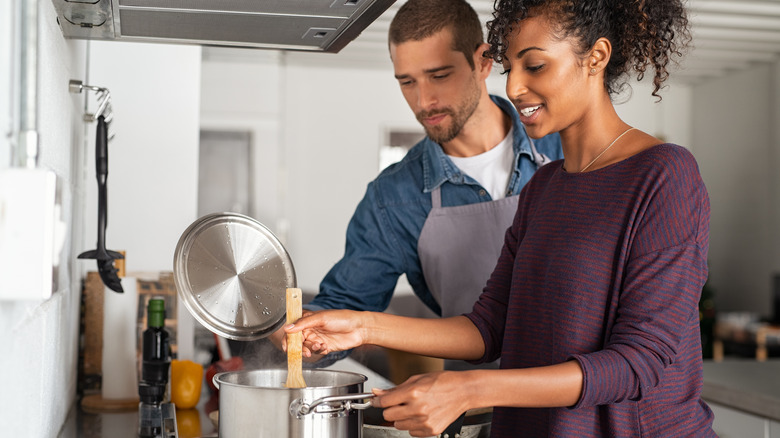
x: 383, y: 232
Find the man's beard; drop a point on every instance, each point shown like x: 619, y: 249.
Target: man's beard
x: 441, y: 134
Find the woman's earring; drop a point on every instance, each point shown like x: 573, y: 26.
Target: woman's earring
x: 593, y: 71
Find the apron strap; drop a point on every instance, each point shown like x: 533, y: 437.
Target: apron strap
x: 436, y: 197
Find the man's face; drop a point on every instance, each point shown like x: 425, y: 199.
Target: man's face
x: 438, y: 83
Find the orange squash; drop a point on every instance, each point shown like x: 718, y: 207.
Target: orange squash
x: 186, y: 379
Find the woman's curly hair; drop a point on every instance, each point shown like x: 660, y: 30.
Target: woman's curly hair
x: 642, y: 32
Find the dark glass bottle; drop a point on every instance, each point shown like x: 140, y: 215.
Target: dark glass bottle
x: 156, y: 346
x: 155, y: 369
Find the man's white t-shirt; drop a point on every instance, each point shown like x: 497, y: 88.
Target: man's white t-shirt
x: 492, y: 169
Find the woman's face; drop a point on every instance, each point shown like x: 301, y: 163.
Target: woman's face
x: 547, y: 81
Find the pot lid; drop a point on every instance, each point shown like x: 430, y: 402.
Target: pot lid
x: 231, y: 273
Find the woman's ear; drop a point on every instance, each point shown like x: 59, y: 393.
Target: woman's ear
x: 599, y: 55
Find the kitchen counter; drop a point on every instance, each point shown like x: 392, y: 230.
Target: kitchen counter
x: 81, y: 424
x: 745, y: 385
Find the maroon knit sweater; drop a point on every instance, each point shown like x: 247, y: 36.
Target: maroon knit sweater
x: 606, y: 268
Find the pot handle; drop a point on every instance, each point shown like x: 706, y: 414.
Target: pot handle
x: 299, y: 408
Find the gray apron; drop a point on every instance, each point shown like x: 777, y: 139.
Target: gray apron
x: 458, y: 248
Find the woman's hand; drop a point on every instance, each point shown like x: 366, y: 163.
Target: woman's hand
x: 425, y: 404
x: 279, y: 339
x: 328, y: 331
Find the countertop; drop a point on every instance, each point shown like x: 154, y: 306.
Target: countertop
x: 746, y: 385
x: 742, y: 384
x: 81, y: 424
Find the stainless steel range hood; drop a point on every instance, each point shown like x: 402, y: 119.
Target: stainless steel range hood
x: 311, y: 25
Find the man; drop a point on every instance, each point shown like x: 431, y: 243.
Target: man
x: 440, y: 214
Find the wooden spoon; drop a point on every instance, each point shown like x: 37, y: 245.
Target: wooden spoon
x: 294, y: 341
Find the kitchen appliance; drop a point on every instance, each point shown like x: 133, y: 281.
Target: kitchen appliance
x: 257, y: 404
x: 309, y: 25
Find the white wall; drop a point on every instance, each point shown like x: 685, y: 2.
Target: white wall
x: 39, y: 340
x: 242, y: 92
x: 152, y: 181
x: 334, y: 122
x: 668, y: 119
x: 153, y: 157
x: 6, y: 101
x: 734, y: 121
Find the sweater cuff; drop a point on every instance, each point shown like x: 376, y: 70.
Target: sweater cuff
x: 606, y: 379
x: 482, y: 331
x: 585, y: 381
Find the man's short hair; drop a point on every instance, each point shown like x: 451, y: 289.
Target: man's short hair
x: 419, y: 19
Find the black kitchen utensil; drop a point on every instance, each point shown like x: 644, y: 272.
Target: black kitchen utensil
x: 105, y: 258
x: 454, y: 428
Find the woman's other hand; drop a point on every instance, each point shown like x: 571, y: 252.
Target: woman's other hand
x: 425, y: 404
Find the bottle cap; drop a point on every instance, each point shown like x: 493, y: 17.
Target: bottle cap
x: 156, y: 312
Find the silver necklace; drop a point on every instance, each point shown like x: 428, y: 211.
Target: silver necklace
x: 606, y: 149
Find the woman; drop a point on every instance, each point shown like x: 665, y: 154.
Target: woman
x: 593, y: 304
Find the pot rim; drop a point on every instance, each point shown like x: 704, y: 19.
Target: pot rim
x: 219, y: 379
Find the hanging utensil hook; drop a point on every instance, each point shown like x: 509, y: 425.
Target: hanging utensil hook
x: 103, y: 96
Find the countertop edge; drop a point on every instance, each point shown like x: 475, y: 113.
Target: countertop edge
x: 747, y: 386
x: 744, y: 401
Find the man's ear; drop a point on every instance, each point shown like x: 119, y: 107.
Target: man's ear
x: 481, y: 63
x: 599, y: 55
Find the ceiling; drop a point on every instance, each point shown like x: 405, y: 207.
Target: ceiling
x: 727, y: 36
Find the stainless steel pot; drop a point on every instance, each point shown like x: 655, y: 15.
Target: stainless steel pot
x: 256, y: 404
